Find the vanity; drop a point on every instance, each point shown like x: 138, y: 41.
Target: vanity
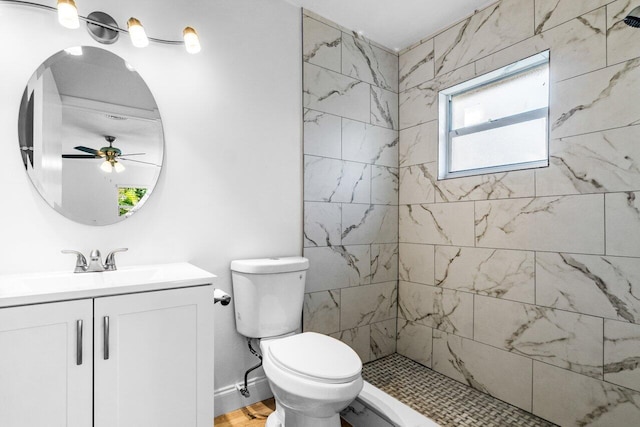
x: 132, y: 347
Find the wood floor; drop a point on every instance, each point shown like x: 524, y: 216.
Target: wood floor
x: 251, y: 416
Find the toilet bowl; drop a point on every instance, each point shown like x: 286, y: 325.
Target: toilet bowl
x: 312, y: 376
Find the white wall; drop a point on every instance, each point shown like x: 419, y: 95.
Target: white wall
x: 231, y: 183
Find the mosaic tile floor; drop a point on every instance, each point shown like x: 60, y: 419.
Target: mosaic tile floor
x: 444, y: 400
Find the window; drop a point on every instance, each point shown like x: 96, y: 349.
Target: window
x: 496, y: 122
x: 129, y: 199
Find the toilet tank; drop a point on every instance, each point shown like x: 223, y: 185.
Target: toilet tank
x: 268, y: 295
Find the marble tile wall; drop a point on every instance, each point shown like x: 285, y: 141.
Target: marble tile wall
x: 526, y: 285
x: 351, y: 185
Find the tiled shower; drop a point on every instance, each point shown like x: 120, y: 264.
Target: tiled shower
x: 524, y: 285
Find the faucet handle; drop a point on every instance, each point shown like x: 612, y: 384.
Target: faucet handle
x: 81, y: 261
x: 110, y: 260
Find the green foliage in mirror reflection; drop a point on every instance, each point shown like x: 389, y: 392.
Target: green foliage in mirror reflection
x: 128, y: 198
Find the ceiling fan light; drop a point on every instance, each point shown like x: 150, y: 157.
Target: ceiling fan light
x: 68, y: 14
x: 191, y: 40
x: 118, y: 167
x: 106, y: 166
x: 136, y: 32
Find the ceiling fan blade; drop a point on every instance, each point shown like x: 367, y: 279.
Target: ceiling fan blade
x: 88, y: 150
x: 139, y: 161
x: 80, y: 156
x: 132, y: 154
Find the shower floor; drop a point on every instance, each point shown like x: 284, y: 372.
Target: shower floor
x: 442, y: 399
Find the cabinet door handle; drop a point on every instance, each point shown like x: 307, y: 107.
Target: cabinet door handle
x: 79, y: 342
x: 105, y: 325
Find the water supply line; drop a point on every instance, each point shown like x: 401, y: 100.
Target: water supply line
x: 244, y: 391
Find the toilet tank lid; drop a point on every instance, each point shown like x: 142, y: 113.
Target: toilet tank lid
x: 270, y: 265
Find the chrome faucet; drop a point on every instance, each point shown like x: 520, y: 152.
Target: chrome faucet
x: 95, y: 264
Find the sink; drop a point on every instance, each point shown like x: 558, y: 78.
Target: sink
x: 19, y: 289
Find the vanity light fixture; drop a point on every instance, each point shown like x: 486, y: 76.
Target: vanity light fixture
x: 138, y: 36
x: 68, y: 14
x: 104, y: 29
x: 191, y: 40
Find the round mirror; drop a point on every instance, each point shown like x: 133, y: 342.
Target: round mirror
x: 90, y: 135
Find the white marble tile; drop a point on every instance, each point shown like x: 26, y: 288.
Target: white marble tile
x: 321, y: 312
x: 331, y: 180
x: 369, y: 63
x: 384, y: 185
x: 416, y: 263
x: 550, y: 13
x: 384, y: 263
x: 567, y: 340
x: 622, y: 40
x: 498, y: 373
x: 364, y: 224
x: 607, y: 161
x: 602, y: 286
x: 321, y: 44
x: 334, y: 93
x: 367, y: 304
x: 415, y: 342
x: 367, y: 143
x: 603, y: 99
x: 492, y: 272
x: 322, y: 222
x: 622, y: 354
x: 563, y: 224
x: 439, y: 223
x: 384, y: 108
x: 419, y: 144
x: 577, y: 47
x: 359, y: 339
x: 418, y: 184
x: 337, y: 267
x: 419, y: 104
x: 416, y: 65
x: 485, y: 187
x: 572, y: 400
x: 322, y: 134
x: 623, y: 223
x: 437, y: 308
x: 485, y: 32
x: 383, y: 338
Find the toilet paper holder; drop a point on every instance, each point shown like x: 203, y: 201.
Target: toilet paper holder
x: 221, y: 296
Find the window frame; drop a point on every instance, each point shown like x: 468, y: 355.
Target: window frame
x: 446, y: 134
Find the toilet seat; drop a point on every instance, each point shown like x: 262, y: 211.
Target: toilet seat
x: 316, y: 357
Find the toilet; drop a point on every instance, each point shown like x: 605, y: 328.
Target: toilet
x: 312, y: 376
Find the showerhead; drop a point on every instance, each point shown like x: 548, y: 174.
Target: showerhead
x: 633, y: 18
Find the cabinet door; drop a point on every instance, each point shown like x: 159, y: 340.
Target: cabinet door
x: 43, y: 382
x: 154, y: 366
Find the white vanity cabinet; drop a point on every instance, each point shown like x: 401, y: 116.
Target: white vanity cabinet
x: 43, y: 382
x: 154, y: 361
x: 112, y: 359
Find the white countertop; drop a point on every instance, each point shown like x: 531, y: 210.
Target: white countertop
x: 21, y: 289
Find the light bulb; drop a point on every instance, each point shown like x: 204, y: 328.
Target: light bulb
x: 68, y: 14
x: 137, y: 34
x: 191, y: 40
x: 106, y: 166
x: 118, y: 167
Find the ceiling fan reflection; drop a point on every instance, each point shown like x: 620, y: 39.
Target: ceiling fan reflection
x: 111, y: 155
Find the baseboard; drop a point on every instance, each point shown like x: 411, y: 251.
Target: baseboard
x: 227, y: 399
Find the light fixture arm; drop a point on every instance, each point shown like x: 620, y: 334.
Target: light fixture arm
x: 91, y: 21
